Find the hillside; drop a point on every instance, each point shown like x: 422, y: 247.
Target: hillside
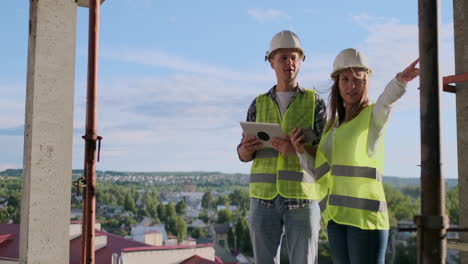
x: 203, y: 178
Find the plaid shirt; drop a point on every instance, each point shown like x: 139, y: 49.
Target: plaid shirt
x: 319, y: 125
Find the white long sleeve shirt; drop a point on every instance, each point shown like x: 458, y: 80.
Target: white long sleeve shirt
x: 379, y: 117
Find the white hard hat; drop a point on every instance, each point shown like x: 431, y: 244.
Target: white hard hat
x: 284, y: 40
x: 350, y: 58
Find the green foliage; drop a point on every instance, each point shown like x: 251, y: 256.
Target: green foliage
x: 198, y: 232
x: 224, y: 216
x: 10, y: 195
x: 452, y: 205
x: 399, y: 205
x: 161, y: 209
x: 231, y: 238
x: 222, y: 200
x: 208, y: 201
x: 180, y: 228
x: 129, y: 203
x: 240, y: 197
x: 151, y: 206
x: 243, y: 237
x: 171, y: 211
x: 181, y: 207
x: 204, y: 217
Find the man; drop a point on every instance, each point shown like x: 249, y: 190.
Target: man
x: 283, y: 199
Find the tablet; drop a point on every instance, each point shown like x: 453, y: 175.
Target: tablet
x: 309, y: 135
x: 263, y: 131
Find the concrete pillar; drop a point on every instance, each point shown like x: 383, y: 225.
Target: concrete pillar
x: 45, y: 205
x: 460, y: 23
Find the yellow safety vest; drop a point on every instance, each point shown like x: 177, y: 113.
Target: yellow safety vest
x: 352, y: 181
x: 271, y: 172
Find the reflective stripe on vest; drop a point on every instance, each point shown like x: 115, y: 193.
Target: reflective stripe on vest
x: 355, y: 171
x: 357, y: 203
x: 263, y: 177
x: 295, y: 176
x: 323, y: 204
x: 322, y: 170
x: 266, y: 153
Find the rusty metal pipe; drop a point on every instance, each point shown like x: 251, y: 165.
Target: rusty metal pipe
x: 432, y: 223
x: 91, y: 136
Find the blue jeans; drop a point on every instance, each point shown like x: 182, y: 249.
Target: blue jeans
x: 300, y: 228
x: 352, y: 245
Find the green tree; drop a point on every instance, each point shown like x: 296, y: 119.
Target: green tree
x: 181, y: 207
x: 243, y: 237
x: 151, y: 206
x: 208, y: 201
x: 198, y: 232
x: 129, y: 203
x: 180, y: 228
x: 171, y: 224
x: 204, y: 217
x: 231, y: 239
x: 224, y: 216
x: 171, y: 210
x: 161, y: 212
x: 400, y: 206
x: 222, y: 200
x: 240, y: 198
x: 452, y: 207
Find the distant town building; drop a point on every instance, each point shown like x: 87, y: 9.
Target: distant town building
x: 113, y: 249
x: 230, y: 207
x: 189, y: 186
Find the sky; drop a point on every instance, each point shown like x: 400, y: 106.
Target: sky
x: 177, y: 77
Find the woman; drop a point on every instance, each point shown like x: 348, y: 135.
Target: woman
x: 349, y: 161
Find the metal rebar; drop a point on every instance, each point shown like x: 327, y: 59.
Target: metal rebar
x: 91, y: 134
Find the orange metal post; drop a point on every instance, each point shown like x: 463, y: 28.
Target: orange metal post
x: 91, y: 136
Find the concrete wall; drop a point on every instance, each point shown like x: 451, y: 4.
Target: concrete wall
x: 460, y: 19
x: 45, y: 206
x: 153, y: 238
x: 173, y: 256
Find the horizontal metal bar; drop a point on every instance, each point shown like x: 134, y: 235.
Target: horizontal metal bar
x: 457, y: 245
x: 449, y: 88
x: 414, y: 228
x: 462, y: 77
x: 457, y: 78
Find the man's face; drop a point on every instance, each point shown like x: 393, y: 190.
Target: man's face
x: 286, y: 63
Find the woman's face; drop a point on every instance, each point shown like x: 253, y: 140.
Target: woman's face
x: 352, y: 84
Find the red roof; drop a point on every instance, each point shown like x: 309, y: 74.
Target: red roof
x: 4, y: 238
x: 195, y: 259
x: 9, y: 245
x: 115, y: 244
x: 146, y: 247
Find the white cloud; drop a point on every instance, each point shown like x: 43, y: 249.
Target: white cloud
x: 177, y: 63
x: 266, y: 15
x: 391, y: 46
